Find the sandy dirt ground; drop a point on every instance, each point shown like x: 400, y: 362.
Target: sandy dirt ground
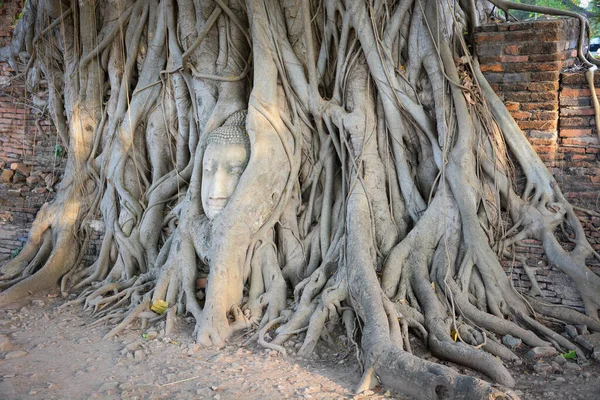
x: 47, y: 353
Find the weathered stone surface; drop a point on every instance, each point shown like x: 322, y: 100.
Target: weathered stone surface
x: 204, y: 392
x: 542, y: 367
x: 511, y: 342
x: 15, y: 354
x: 582, y: 329
x: 6, y: 175
x: 571, y: 331
x: 7, y: 391
x: 594, y: 339
x: 139, y: 355
x: 108, y: 386
x: 583, y: 342
x: 4, y: 343
x: 18, y: 178
x: 21, y: 168
x: 571, y: 366
x: 541, y: 352
x: 32, y: 180
x: 560, y: 360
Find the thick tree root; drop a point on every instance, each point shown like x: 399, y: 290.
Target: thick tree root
x: 424, y: 380
x: 378, y: 188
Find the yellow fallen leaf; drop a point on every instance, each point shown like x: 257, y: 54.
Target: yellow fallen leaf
x: 454, y: 335
x: 159, y: 306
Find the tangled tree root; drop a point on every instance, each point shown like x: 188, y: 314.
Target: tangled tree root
x: 378, y: 190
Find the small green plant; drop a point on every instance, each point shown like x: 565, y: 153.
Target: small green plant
x: 18, y: 16
x: 15, y: 252
x: 571, y: 355
x: 58, y: 151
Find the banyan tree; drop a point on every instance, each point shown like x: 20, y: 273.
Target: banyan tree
x: 296, y: 167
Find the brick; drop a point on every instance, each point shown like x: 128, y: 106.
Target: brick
x: 542, y: 142
x: 538, y: 125
x: 544, y: 149
x: 543, y: 86
x: 21, y: 168
x: 575, y: 111
x: 581, y: 141
x: 512, y: 49
x: 544, y: 115
x: 551, y: 24
x: 514, y: 59
x: 489, y: 59
x: 576, y: 101
x: 490, y: 49
x: 541, y: 47
x: 546, y: 135
x: 486, y: 28
x: 492, y: 68
x: 517, y: 26
x: 575, y: 92
x: 573, y: 78
x: 544, y: 96
x: 540, y: 106
x: 575, y: 132
x: 496, y: 77
x: 532, y: 66
x: 545, y: 76
x: 514, y: 87
x: 521, y: 115
x: 547, y: 57
x: 490, y: 37
x: 570, y: 150
x: 512, y: 106
x: 583, y: 157
x: 574, y: 121
x: 521, y: 97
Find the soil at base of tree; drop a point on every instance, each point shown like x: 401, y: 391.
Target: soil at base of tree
x: 55, y: 354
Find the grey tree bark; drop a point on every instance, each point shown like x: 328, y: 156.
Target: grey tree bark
x: 378, y: 191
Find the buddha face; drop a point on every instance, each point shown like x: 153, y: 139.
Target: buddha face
x: 223, y: 165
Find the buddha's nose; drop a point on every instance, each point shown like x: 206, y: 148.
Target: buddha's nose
x: 220, y: 185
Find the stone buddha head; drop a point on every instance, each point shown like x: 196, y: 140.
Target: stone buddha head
x: 225, y: 158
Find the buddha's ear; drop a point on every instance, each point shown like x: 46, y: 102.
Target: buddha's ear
x: 196, y: 173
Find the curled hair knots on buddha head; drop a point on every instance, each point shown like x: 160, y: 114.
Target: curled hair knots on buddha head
x: 233, y: 131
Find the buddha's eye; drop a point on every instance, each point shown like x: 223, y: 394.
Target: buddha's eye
x: 208, y: 170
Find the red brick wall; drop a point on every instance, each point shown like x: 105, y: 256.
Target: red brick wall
x: 533, y: 68
x: 8, y: 12
x: 29, y: 167
x: 523, y: 62
x: 577, y: 166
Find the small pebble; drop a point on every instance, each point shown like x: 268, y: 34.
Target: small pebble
x: 4, y: 343
x: 139, y: 355
x: 15, y: 354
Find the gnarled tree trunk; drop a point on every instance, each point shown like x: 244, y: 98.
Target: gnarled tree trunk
x: 377, y: 188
